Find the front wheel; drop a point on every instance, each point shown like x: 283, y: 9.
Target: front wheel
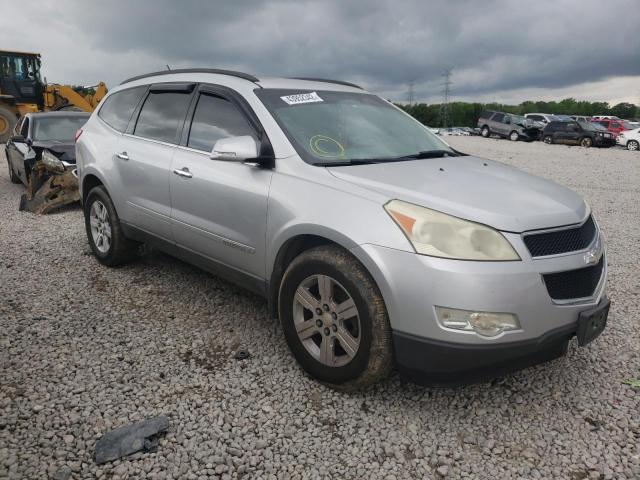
x: 485, y: 132
x: 104, y: 231
x: 513, y: 136
x: 586, y: 142
x: 548, y: 139
x: 334, y: 319
x: 632, y: 145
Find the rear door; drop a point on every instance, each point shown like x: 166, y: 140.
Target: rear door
x: 219, y: 207
x: 496, y: 124
x: 144, y: 157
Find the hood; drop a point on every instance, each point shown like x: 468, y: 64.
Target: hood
x: 64, y: 151
x: 472, y: 188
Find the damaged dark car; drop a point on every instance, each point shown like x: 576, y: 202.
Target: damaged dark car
x: 41, y: 155
x: 508, y: 125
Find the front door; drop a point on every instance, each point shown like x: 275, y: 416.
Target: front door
x: 219, y: 208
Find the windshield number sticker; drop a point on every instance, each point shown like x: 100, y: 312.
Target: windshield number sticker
x: 302, y: 98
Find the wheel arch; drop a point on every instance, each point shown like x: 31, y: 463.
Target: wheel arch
x: 293, y: 246
x: 89, y: 181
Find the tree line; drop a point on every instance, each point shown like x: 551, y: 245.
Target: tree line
x: 463, y: 114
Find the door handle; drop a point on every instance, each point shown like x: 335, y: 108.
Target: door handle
x: 122, y: 156
x: 183, y: 172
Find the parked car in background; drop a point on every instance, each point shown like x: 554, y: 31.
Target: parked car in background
x: 580, y: 118
x: 374, y: 242
x: 630, y: 139
x: 577, y: 133
x: 604, y: 117
x: 543, y: 118
x: 615, y: 126
x: 49, y: 137
x: 507, y: 125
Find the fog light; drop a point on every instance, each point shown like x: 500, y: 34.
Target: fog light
x: 487, y: 324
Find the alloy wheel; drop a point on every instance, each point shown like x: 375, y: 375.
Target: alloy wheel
x: 632, y: 145
x: 100, y: 226
x: 326, y: 320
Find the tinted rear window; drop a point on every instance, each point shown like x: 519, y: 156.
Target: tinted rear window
x: 118, y: 107
x: 161, y: 115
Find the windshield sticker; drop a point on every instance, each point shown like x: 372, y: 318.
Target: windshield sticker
x: 326, y: 147
x: 302, y: 98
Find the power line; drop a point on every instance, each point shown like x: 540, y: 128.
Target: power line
x: 445, y: 115
x: 410, y: 94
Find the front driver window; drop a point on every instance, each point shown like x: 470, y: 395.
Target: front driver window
x: 216, y: 118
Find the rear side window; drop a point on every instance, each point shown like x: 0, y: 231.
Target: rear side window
x: 162, y: 115
x: 615, y: 125
x: 498, y: 117
x: 216, y: 118
x: 486, y: 114
x: 118, y: 107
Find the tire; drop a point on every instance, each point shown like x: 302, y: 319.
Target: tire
x: 513, y: 136
x: 12, y: 175
x: 633, y: 145
x: 362, y: 351
x: 112, y: 250
x: 485, y: 132
x: 548, y: 139
x: 586, y: 142
x: 8, y: 122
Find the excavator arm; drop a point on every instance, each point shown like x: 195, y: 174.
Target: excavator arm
x: 57, y: 97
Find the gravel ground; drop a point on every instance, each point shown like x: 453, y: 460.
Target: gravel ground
x: 84, y: 349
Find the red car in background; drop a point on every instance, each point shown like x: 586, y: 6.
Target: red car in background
x: 614, y: 125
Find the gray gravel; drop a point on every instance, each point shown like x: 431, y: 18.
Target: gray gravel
x: 84, y: 349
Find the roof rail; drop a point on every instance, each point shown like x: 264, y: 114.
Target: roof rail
x: 326, y: 80
x: 231, y: 73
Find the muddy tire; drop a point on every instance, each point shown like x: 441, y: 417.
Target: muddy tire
x: 104, y: 231
x: 335, y: 320
x: 8, y: 122
x: 633, y: 145
x: 485, y: 132
x: 586, y: 142
x: 548, y: 139
x: 513, y: 136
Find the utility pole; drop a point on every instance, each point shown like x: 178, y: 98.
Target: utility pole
x: 410, y: 95
x: 445, y: 117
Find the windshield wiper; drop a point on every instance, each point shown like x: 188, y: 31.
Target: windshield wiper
x: 430, y: 154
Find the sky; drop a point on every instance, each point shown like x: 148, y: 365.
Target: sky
x: 505, y: 51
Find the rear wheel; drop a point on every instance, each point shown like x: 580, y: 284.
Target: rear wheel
x: 485, y: 132
x: 586, y: 142
x: 8, y: 121
x: 632, y: 145
x: 548, y: 139
x: 334, y: 319
x: 513, y: 136
x: 104, y: 231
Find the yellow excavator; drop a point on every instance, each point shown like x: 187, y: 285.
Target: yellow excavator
x: 22, y: 90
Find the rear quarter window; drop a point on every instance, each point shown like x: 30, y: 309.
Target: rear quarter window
x: 118, y: 107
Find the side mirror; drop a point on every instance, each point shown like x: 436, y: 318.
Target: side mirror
x: 507, y: 120
x: 235, y: 149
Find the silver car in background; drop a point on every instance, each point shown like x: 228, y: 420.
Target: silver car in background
x: 375, y: 243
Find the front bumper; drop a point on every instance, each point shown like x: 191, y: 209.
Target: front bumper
x: 433, y: 362
x: 604, y: 141
x: 413, y: 285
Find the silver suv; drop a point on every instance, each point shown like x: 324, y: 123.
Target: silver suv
x: 374, y: 242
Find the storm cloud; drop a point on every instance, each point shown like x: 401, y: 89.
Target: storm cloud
x: 494, y: 46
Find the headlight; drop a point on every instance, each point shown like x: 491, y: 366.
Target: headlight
x: 440, y: 235
x: 52, y: 162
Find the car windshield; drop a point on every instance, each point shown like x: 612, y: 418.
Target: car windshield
x: 627, y: 126
x: 59, y: 128
x: 333, y: 128
x: 596, y: 126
